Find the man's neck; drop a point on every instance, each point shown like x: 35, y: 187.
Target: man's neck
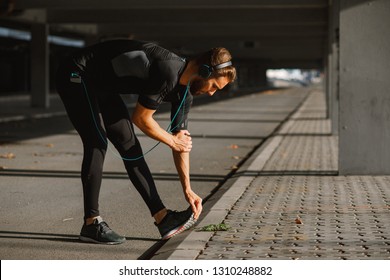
x: 188, y: 73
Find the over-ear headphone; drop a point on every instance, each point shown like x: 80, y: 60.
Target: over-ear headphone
x: 205, y: 70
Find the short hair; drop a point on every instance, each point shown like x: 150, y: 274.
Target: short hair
x: 216, y: 56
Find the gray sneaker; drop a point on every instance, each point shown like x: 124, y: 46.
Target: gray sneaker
x: 100, y: 232
x: 176, y: 222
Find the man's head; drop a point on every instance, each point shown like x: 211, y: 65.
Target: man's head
x: 212, y: 75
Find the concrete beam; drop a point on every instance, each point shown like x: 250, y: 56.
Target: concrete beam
x: 220, y: 31
x: 240, y: 45
x: 279, y: 53
x: 89, y: 29
x: 146, y: 4
x: 29, y: 17
x: 290, y: 63
x: 195, y: 16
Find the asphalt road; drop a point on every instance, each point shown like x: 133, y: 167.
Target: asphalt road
x: 40, y: 189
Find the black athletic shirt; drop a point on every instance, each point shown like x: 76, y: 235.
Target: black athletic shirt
x: 134, y: 67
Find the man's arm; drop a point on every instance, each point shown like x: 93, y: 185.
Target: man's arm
x: 182, y: 163
x: 143, y: 118
x: 181, y: 145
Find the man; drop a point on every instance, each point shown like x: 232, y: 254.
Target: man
x: 89, y: 84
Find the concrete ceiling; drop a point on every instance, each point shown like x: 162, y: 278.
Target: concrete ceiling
x: 285, y: 32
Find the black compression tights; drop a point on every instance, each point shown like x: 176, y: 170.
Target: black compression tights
x: 114, y: 123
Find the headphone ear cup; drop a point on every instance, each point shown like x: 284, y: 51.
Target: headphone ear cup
x: 205, y: 71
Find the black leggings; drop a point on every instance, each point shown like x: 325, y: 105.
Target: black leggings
x: 114, y: 123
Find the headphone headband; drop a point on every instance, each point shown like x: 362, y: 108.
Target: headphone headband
x: 205, y: 70
x: 222, y: 65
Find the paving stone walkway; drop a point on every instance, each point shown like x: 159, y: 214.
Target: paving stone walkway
x: 297, y: 207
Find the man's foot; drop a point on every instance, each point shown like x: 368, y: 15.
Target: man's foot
x: 100, y: 232
x: 176, y: 222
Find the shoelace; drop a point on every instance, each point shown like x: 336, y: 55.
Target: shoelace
x: 183, y: 214
x: 103, y: 227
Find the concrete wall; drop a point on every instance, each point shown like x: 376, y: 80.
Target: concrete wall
x: 364, y: 87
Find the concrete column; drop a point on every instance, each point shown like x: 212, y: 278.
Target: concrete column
x: 327, y: 81
x: 40, y: 65
x: 364, y: 87
x: 334, y: 64
x: 261, y: 76
x: 242, y: 73
x: 327, y: 62
x: 251, y: 73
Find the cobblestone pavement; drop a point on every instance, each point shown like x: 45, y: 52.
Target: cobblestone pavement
x: 297, y: 207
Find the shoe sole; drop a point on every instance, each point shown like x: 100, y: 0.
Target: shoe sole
x: 187, y: 225
x: 91, y: 240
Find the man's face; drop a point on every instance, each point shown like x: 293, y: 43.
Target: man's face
x: 201, y: 86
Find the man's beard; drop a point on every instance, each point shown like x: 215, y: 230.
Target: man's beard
x: 196, y: 86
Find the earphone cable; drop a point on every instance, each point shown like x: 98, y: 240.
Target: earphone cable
x: 152, y: 148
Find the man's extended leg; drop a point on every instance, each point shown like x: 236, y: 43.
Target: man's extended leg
x: 79, y: 112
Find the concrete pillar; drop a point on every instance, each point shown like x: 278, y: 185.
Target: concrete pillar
x: 334, y: 65
x: 242, y: 73
x: 251, y: 73
x: 327, y: 62
x: 327, y: 81
x: 261, y: 76
x: 364, y: 87
x: 40, y: 65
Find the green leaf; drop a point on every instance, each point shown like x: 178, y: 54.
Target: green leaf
x: 215, y: 227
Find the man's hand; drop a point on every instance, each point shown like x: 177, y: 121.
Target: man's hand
x: 196, y: 203
x: 182, y: 141
x: 181, y: 149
